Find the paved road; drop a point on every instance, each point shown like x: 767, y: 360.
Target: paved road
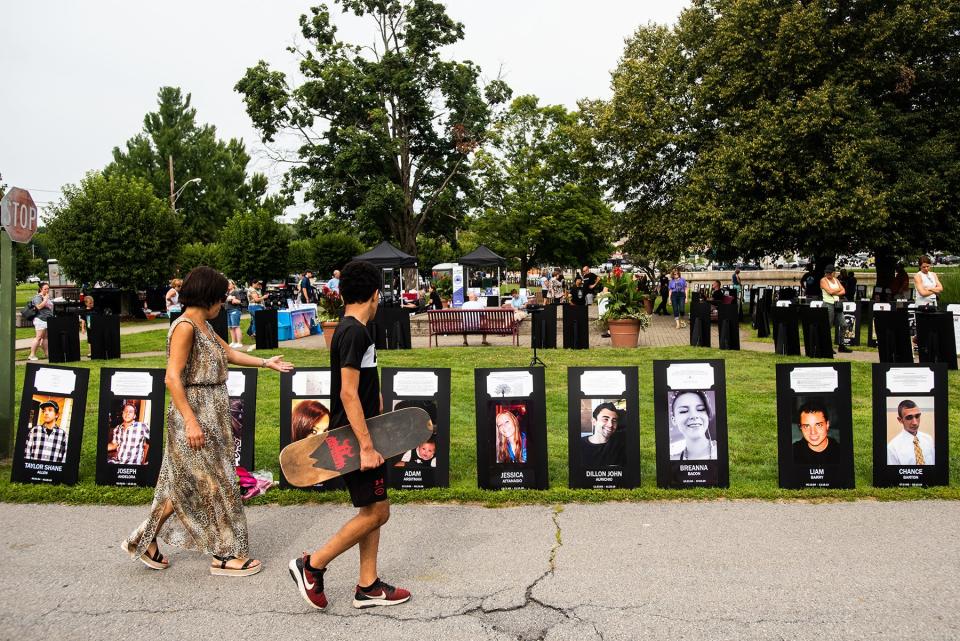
x: 678, y: 570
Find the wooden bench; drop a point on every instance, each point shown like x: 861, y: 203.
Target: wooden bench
x: 492, y: 320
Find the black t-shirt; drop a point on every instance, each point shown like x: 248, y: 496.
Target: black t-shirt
x: 306, y: 290
x: 578, y: 295
x: 589, y: 281
x: 435, y: 301
x: 803, y: 455
x: 603, y: 454
x: 353, y: 347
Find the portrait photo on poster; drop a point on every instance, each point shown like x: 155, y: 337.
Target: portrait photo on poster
x: 48, y: 428
x: 602, y: 433
x: 911, y: 430
x: 692, y: 423
x: 509, y: 431
x: 308, y: 416
x: 425, y: 454
x: 128, y: 433
x: 815, y: 439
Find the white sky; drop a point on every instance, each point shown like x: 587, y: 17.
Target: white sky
x: 78, y: 76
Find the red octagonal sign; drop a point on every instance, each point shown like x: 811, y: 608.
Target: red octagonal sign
x: 18, y: 215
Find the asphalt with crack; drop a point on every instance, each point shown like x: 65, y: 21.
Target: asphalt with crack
x: 666, y: 570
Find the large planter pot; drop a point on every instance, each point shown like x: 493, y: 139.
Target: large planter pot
x: 328, y: 327
x: 624, y: 333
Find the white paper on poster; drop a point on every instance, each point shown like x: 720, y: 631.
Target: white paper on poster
x: 416, y: 383
x: 608, y: 382
x: 58, y: 381
x: 783, y: 303
x: 502, y: 384
x: 131, y: 383
x: 690, y: 376
x: 955, y: 310
x: 849, y: 307
x: 311, y: 383
x: 814, y: 379
x: 910, y: 380
x: 816, y: 304
x: 881, y: 307
x: 236, y: 383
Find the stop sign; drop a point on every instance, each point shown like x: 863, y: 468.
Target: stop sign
x: 18, y: 215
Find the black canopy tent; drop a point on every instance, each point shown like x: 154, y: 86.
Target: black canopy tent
x: 482, y: 256
x: 386, y: 256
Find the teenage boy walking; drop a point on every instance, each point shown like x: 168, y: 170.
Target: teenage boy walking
x: 354, y: 397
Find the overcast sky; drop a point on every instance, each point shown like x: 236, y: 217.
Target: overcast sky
x: 79, y: 76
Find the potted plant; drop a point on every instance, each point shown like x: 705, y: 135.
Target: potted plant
x: 329, y: 312
x: 444, y: 287
x: 623, y: 312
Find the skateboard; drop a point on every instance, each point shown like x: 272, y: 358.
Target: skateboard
x: 336, y: 452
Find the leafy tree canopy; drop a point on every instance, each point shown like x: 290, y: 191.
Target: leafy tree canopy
x: 384, y: 131
x: 254, y: 245
x: 114, y: 230
x: 539, y: 198
x: 224, y: 188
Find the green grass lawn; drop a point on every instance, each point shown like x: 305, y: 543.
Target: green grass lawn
x: 752, y: 430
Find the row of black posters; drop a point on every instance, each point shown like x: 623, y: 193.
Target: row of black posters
x: 815, y: 433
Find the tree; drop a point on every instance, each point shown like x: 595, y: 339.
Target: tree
x: 254, y: 245
x: 300, y: 255
x: 114, y: 230
x: 196, y: 254
x: 539, y: 199
x: 819, y: 127
x: 224, y: 188
x: 333, y: 251
x: 398, y: 122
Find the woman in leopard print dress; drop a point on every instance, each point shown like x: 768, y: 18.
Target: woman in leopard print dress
x: 197, y: 483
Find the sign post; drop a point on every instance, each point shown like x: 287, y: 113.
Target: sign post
x: 18, y: 217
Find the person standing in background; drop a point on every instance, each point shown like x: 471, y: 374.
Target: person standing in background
x: 254, y: 305
x: 234, y: 307
x: 678, y: 296
x: 927, y: 285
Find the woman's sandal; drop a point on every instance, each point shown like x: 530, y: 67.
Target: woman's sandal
x: 156, y: 561
x: 244, y: 570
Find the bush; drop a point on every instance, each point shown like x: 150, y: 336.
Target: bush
x: 333, y: 251
x: 196, y: 254
x: 254, y: 245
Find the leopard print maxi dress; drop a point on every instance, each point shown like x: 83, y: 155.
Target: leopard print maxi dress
x: 202, y: 484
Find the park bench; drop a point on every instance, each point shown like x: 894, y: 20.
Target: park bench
x: 492, y: 320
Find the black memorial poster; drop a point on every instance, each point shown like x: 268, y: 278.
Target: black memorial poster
x: 130, y: 426
x: 910, y: 423
x: 242, y: 389
x: 50, y: 429
x: 690, y: 412
x: 603, y: 427
x: 305, y: 410
x: 511, y: 415
x: 428, y: 464
x: 814, y: 426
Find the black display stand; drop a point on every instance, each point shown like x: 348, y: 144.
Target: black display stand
x: 267, y: 332
x: 761, y: 317
x: 576, y: 327
x: 543, y: 334
x: 817, y: 338
x: 893, y: 336
x: 866, y: 316
x: 786, y: 330
x: 103, y: 333
x: 63, y: 336
x: 729, y: 326
x: 849, y: 331
x: 700, y: 324
x: 391, y: 328
x: 935, y: 339
x: 144, y: 388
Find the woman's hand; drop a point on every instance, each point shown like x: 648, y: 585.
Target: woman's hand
x: 277, y: 363
x: 195, y: 437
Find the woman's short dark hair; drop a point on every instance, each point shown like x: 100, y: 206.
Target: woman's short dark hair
x: 925, y: 259
x: 358, y: 281
x: 203, y: 287
x: 41, y: 284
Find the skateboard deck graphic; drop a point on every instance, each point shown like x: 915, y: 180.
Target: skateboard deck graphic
x: 336, y: 452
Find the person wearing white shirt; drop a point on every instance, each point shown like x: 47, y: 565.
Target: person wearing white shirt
x: 473, y: 303
x: 910, y: 446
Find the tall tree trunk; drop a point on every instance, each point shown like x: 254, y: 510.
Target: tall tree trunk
x: 524, y: 266
x: 885, y: 265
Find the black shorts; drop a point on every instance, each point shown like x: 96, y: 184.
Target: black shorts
x: 367, y: 488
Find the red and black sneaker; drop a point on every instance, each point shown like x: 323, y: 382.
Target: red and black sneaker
x: 379, y: 594
x: 309, y: 582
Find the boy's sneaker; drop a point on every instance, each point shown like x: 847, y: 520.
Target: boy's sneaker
x: 309, y: 582
x: 380, y: 594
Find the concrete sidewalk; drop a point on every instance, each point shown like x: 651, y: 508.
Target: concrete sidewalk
x: 670, y: 570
